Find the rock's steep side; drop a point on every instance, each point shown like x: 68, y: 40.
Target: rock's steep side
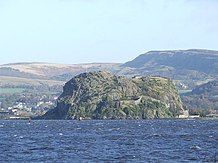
x: 100, y: 95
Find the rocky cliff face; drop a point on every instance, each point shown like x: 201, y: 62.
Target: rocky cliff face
x: 100, y: 95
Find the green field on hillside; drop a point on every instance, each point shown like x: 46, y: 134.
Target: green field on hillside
x: 184, y: 91
x: 11, y: 90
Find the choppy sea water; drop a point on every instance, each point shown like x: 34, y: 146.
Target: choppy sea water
x: 109, y: 141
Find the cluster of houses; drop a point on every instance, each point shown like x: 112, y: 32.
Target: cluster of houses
x: 186, y: 114
x: 22, y: 109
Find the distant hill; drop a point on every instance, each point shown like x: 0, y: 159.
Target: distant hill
x: 47, y: 73
x: 200, y: 60
x: 188, y: 68
x: 210, y: 88
x: 203, y: 97
x: 185, y: 65
x: 47, y: 70
x: 101, y: 95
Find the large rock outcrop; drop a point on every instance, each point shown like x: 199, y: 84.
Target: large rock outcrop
x: 100, y: 95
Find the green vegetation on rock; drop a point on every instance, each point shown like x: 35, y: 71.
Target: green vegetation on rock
x: 101, y: 95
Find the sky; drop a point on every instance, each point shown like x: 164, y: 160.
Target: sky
x: 87, y: 31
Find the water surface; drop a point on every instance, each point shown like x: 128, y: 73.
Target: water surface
x: 109, y: 141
